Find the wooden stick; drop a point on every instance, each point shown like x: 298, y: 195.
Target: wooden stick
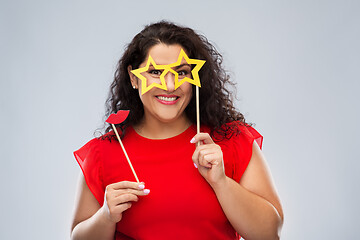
x: 127, y: 157
x: 197, y: 113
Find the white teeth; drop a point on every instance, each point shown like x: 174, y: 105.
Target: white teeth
x: 169, y: 99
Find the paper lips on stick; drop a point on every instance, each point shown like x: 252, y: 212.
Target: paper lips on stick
x: 119, y: 117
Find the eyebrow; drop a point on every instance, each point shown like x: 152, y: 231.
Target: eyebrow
x: 175, y: 68
x: 182, y: 65
x: 153, y: 67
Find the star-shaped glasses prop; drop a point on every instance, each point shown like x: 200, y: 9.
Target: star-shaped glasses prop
x: 168, y: 68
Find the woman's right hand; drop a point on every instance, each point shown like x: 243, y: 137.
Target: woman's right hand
x: 119, y: 197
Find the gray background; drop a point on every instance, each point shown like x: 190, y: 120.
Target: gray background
x: 297, y: 68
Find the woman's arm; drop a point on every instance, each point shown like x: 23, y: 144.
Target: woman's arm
x: 251, y: 206
x: 91, y: 221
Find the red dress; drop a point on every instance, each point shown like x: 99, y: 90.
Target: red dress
x: 181, y: 204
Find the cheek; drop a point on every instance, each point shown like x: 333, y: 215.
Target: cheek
x: 142, y: 96
x: 186, y: 88
x: 151, y: 79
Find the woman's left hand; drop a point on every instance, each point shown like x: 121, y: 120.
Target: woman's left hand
x: 208, y: 158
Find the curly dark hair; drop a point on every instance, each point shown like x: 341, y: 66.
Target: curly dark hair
x: 216, y: 102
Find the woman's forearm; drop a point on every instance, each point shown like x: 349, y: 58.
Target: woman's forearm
x: 94, y: 228
x: 252, y: 216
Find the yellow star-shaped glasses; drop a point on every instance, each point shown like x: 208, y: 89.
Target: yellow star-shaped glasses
x: 168, y: 68
x: 194, y: 72
x: 144, y: 87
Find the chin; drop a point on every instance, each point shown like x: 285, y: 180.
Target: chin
x: 169, y: 118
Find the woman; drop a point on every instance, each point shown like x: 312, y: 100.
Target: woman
x: 227, y: 191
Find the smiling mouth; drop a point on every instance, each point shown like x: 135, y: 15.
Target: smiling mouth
x: 167, y: 99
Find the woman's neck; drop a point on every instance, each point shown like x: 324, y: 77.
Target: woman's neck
x: 153, y: 129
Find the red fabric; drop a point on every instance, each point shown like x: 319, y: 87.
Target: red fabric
x: 181, y: 204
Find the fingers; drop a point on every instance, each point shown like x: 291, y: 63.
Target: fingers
x: 202, y: 137
x: 208, y: 158
x: 114, y: 200
x: 114, y: 208
x: 120, y: 196
x: 200, y: 152
x: 118, y: 209
x: 127, y: 184
x: 207, y: 155
x: 199, y: 156
x: 128, y: 187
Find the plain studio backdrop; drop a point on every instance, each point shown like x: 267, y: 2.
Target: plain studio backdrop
x: 296, y: 64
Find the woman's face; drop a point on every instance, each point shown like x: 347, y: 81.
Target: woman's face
x: 166, y: 106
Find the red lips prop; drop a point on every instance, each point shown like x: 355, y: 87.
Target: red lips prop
x: 119, y: 117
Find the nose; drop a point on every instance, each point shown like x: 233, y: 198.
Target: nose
x: 170, y: 81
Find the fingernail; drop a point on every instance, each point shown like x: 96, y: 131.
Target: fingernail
x: 146, y: 191
x: 192, y: 140
x: 195, y: 165
x: 141, y: 186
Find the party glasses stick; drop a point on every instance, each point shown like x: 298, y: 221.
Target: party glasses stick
x: 197, y: 113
